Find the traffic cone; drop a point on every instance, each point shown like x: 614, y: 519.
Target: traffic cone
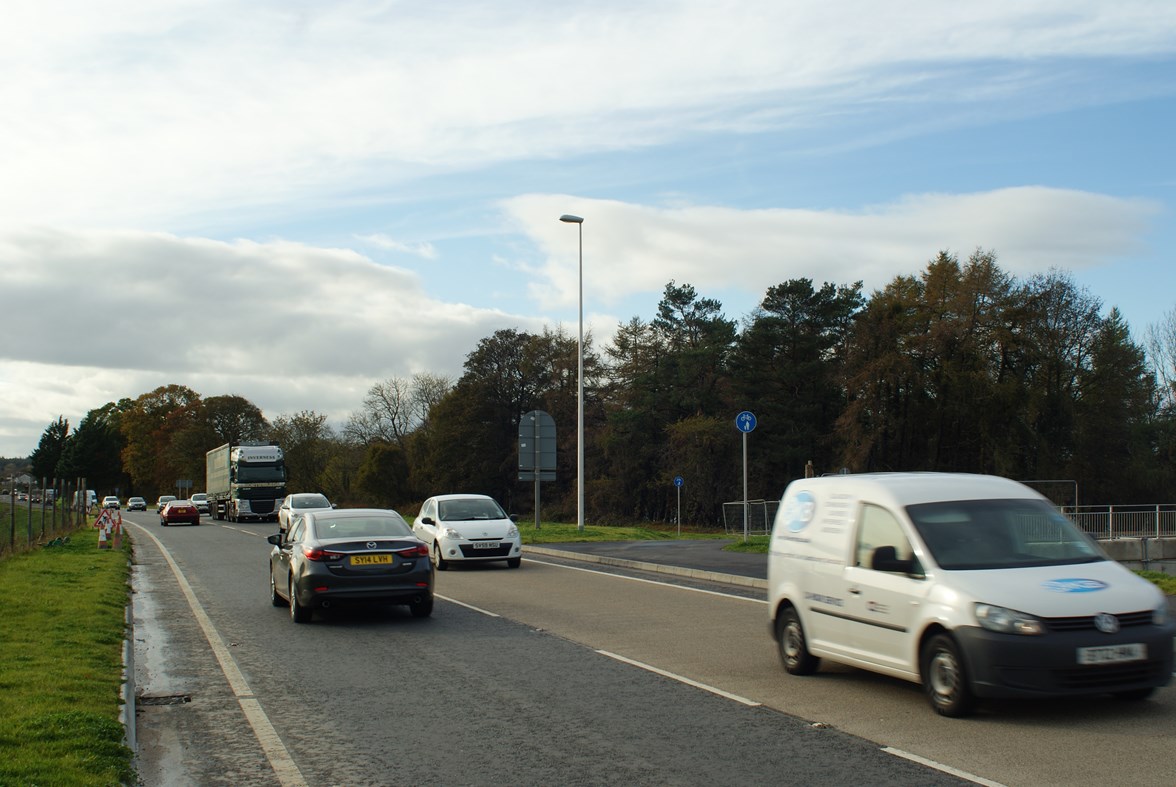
x: 118, y: 530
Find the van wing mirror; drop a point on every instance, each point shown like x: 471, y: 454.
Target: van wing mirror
x: 886, y: 559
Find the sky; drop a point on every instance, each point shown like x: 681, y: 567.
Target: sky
x: 290, y: 200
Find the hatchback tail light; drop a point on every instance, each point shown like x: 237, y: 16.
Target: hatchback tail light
x: 321, y: 555
x: 420, y: 550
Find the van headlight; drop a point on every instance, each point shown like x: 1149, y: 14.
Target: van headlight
x: 1160, y: 616
x: 1007, y: 621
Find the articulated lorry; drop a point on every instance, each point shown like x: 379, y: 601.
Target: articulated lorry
x: 245, y: 481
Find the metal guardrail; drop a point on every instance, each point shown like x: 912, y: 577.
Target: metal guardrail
x: 1128, y: 521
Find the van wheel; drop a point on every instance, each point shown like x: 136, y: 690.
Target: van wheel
x: 793, y: 648
x: 944, y: 678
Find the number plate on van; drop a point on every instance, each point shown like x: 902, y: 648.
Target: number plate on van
x: 1111, y: 654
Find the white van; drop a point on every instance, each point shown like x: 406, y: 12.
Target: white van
x: 973, y: 585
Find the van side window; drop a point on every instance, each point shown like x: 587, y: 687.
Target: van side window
x: 879, y: 528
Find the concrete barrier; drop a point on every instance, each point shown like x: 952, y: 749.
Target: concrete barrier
x: 1151, y: 554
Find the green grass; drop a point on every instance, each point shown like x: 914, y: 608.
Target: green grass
x: 1165, y: 582
x: 559, y: 533
x: 16, y: 525
x: 63, y: 612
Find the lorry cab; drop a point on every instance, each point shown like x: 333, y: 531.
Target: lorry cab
x: 974, y: 586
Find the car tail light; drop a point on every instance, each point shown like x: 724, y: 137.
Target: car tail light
x: 321, y: 555
x: 420, y: 550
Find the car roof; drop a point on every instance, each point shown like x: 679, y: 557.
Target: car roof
x: 349, y: 513
x: 310, y: 494
x: 904, y: 489
x: 462, y: 496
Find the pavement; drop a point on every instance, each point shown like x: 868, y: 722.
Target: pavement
x: 696, y: 559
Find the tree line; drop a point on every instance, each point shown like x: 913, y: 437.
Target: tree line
x: 961, y: 367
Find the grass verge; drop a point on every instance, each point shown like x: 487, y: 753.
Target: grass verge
x: 63, y: 612
x: 558, y: 533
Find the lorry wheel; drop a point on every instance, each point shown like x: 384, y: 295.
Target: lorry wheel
x: 944, y: 679
x: 792, y: 645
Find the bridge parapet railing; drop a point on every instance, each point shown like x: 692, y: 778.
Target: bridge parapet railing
x: 1155, y: 520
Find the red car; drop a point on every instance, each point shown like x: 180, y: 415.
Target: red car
x: 179, y: 512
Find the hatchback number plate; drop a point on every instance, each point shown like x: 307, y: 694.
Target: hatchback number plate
x: 370, y: 560
x: 1112, y: 654
x: 485, y: 544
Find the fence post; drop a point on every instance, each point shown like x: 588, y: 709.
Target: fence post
x: 1157, y: 520
x: 1111, y: 522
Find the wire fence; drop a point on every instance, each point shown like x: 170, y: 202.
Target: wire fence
x: 38, y: 515
x: 760, y: 516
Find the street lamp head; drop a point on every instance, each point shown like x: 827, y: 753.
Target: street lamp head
x: 570, y: 219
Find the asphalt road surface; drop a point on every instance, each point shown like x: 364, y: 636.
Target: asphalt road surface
x: 556, y: 673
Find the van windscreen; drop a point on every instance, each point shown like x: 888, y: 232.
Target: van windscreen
x: 967, y: 535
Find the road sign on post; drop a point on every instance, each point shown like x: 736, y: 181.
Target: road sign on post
x: 536, y: 451
x: 678, y: 482
x: 745, y: 422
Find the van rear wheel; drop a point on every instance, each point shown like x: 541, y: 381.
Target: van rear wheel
x: 792, y: 645
x: 945, y: 680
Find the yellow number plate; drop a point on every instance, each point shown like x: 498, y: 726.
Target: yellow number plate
x: 370, y: 560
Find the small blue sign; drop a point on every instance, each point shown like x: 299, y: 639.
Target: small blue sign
x: 679, y: 481
x: 745, y: 421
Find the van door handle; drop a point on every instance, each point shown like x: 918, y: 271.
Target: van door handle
x: 855, y: 591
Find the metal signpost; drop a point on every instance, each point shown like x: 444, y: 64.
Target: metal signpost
x: 745, y: 422
x: 678, y: 482
x: 537, y: 451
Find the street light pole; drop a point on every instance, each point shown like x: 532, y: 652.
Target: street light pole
x: 579, y: 222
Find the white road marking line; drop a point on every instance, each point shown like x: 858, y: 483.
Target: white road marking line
x: 906, y: 755
x: 682, y: 679
x: 275, y: 751
x: 485, y: 612
x: 648, y: 581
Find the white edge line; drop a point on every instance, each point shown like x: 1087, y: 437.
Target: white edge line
x: 906, y: 755
x: 681, y: 679
x: 647, y: 581
x: 275, y: 751
x: 485, y: 612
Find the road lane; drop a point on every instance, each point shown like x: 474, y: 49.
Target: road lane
x: 724, y: 642
x: 461, y: 698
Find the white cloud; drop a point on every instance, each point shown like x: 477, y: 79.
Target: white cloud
x: 101, y: 315
x: 637, y: 248
x: 424, y: 249
x: 132, y: 113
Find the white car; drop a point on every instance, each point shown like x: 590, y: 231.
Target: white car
x: 298, y: 504
x: 110, y: 501
x: 200, y: 500
x: 468, y: 528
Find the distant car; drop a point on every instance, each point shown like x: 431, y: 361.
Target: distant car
x: 177, y: 512
x: 163, y: 500
x: 350, y: 556
x: 300, y: 503
x: 136, y: 504
x: 468, y: 528
x: 110, y: 501
x: 200, y: 500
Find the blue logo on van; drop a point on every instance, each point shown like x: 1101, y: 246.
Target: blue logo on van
x: 798, y: 512
x: 1074, y: 585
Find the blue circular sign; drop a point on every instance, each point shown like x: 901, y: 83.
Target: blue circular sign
x: 745, y: 421
x: 679, y: 481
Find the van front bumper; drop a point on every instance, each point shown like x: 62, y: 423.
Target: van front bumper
x: 1015, y: 665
